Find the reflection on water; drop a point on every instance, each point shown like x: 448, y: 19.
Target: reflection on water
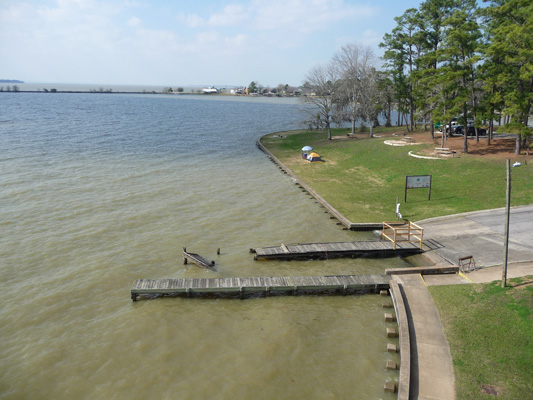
x: 100, y: 190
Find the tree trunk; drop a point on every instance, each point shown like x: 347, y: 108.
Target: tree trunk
x: 465, y: 143
x: 432, y: 128
x: 518, y: 146
x: 399, y: 116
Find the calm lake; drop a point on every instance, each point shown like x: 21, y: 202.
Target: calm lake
x: 97, y: 190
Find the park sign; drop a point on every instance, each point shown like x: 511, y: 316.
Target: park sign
x: 418, y: 182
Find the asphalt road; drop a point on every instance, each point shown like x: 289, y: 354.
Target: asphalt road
x: 481, y: 234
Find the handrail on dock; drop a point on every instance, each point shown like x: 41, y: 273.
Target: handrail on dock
x: 406, y: 232
x: 197, y: 259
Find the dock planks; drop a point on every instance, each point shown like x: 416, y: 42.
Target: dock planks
x: 371, y: 248
x: 260, y: 285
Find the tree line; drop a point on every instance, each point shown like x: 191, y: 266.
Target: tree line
x: 444, y: 60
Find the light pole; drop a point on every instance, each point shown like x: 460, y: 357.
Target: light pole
x: 507, y: 219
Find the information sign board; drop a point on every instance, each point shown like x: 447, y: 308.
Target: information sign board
x: 418, y: 182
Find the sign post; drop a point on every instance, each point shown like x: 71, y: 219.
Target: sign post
x: 417, y: 182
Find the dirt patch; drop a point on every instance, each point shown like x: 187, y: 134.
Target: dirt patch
x: 500, y: 148
x: 347, y: 137
x: 527, y: 282
x: 367, y: 174
x: 489, y: 389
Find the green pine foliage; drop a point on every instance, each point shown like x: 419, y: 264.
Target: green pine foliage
x: 452, y: 58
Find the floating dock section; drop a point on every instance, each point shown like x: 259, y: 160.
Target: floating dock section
x: 336, y: 249
x: 242, y: 287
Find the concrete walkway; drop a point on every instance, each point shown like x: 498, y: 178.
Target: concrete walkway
x: 482, y: 275
x: 480, y: 234
x: 431, y: 362
x: 431, y: 372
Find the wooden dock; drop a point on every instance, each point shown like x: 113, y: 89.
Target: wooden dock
x: 304, y: 251
x: 243, y: 287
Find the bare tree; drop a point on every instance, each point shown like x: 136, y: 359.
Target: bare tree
x: 322, y: 80
x: 355, y: 65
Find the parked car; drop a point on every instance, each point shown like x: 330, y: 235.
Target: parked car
x: 456, y: 129
x: 471, y: 131
x: 454, y: 124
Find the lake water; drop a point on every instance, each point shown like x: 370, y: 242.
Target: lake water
x: 98, y: 190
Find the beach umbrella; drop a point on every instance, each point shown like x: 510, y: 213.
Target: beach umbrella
x: 307, y: 148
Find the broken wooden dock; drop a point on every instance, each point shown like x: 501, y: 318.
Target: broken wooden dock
x: 375, y: 248
x: 197, y: 259
x: 242, y: 287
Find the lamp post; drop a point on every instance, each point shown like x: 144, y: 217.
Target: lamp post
x: 507, y: 220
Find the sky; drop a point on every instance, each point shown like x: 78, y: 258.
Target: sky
x: 184, y: 42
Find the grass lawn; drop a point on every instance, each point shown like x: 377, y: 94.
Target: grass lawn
x: 490, y: 332
x: 490, y: 329
x: 362, y: 177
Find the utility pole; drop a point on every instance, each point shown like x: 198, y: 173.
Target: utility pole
x: 507, y: 219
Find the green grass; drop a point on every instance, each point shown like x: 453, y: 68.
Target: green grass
x: 490, y: 329
x: 490, y: 332
x: 363, y: 177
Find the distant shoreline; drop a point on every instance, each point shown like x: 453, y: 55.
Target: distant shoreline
x: 86, y: 91
x: 49, y: 91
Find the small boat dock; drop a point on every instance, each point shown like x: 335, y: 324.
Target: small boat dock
x: 266, y: 286
x: 304, y: 251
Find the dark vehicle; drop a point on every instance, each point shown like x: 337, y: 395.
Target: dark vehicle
x: 471, y: 131
x: 455, y: 130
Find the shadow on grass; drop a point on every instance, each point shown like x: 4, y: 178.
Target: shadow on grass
x: 526, y: 282
x: 432, y: 200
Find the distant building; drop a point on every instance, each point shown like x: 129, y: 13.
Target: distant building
x: 210, y: 90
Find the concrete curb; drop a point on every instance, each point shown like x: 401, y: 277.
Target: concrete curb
x: 404, y: 380
x: 465, y: 214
